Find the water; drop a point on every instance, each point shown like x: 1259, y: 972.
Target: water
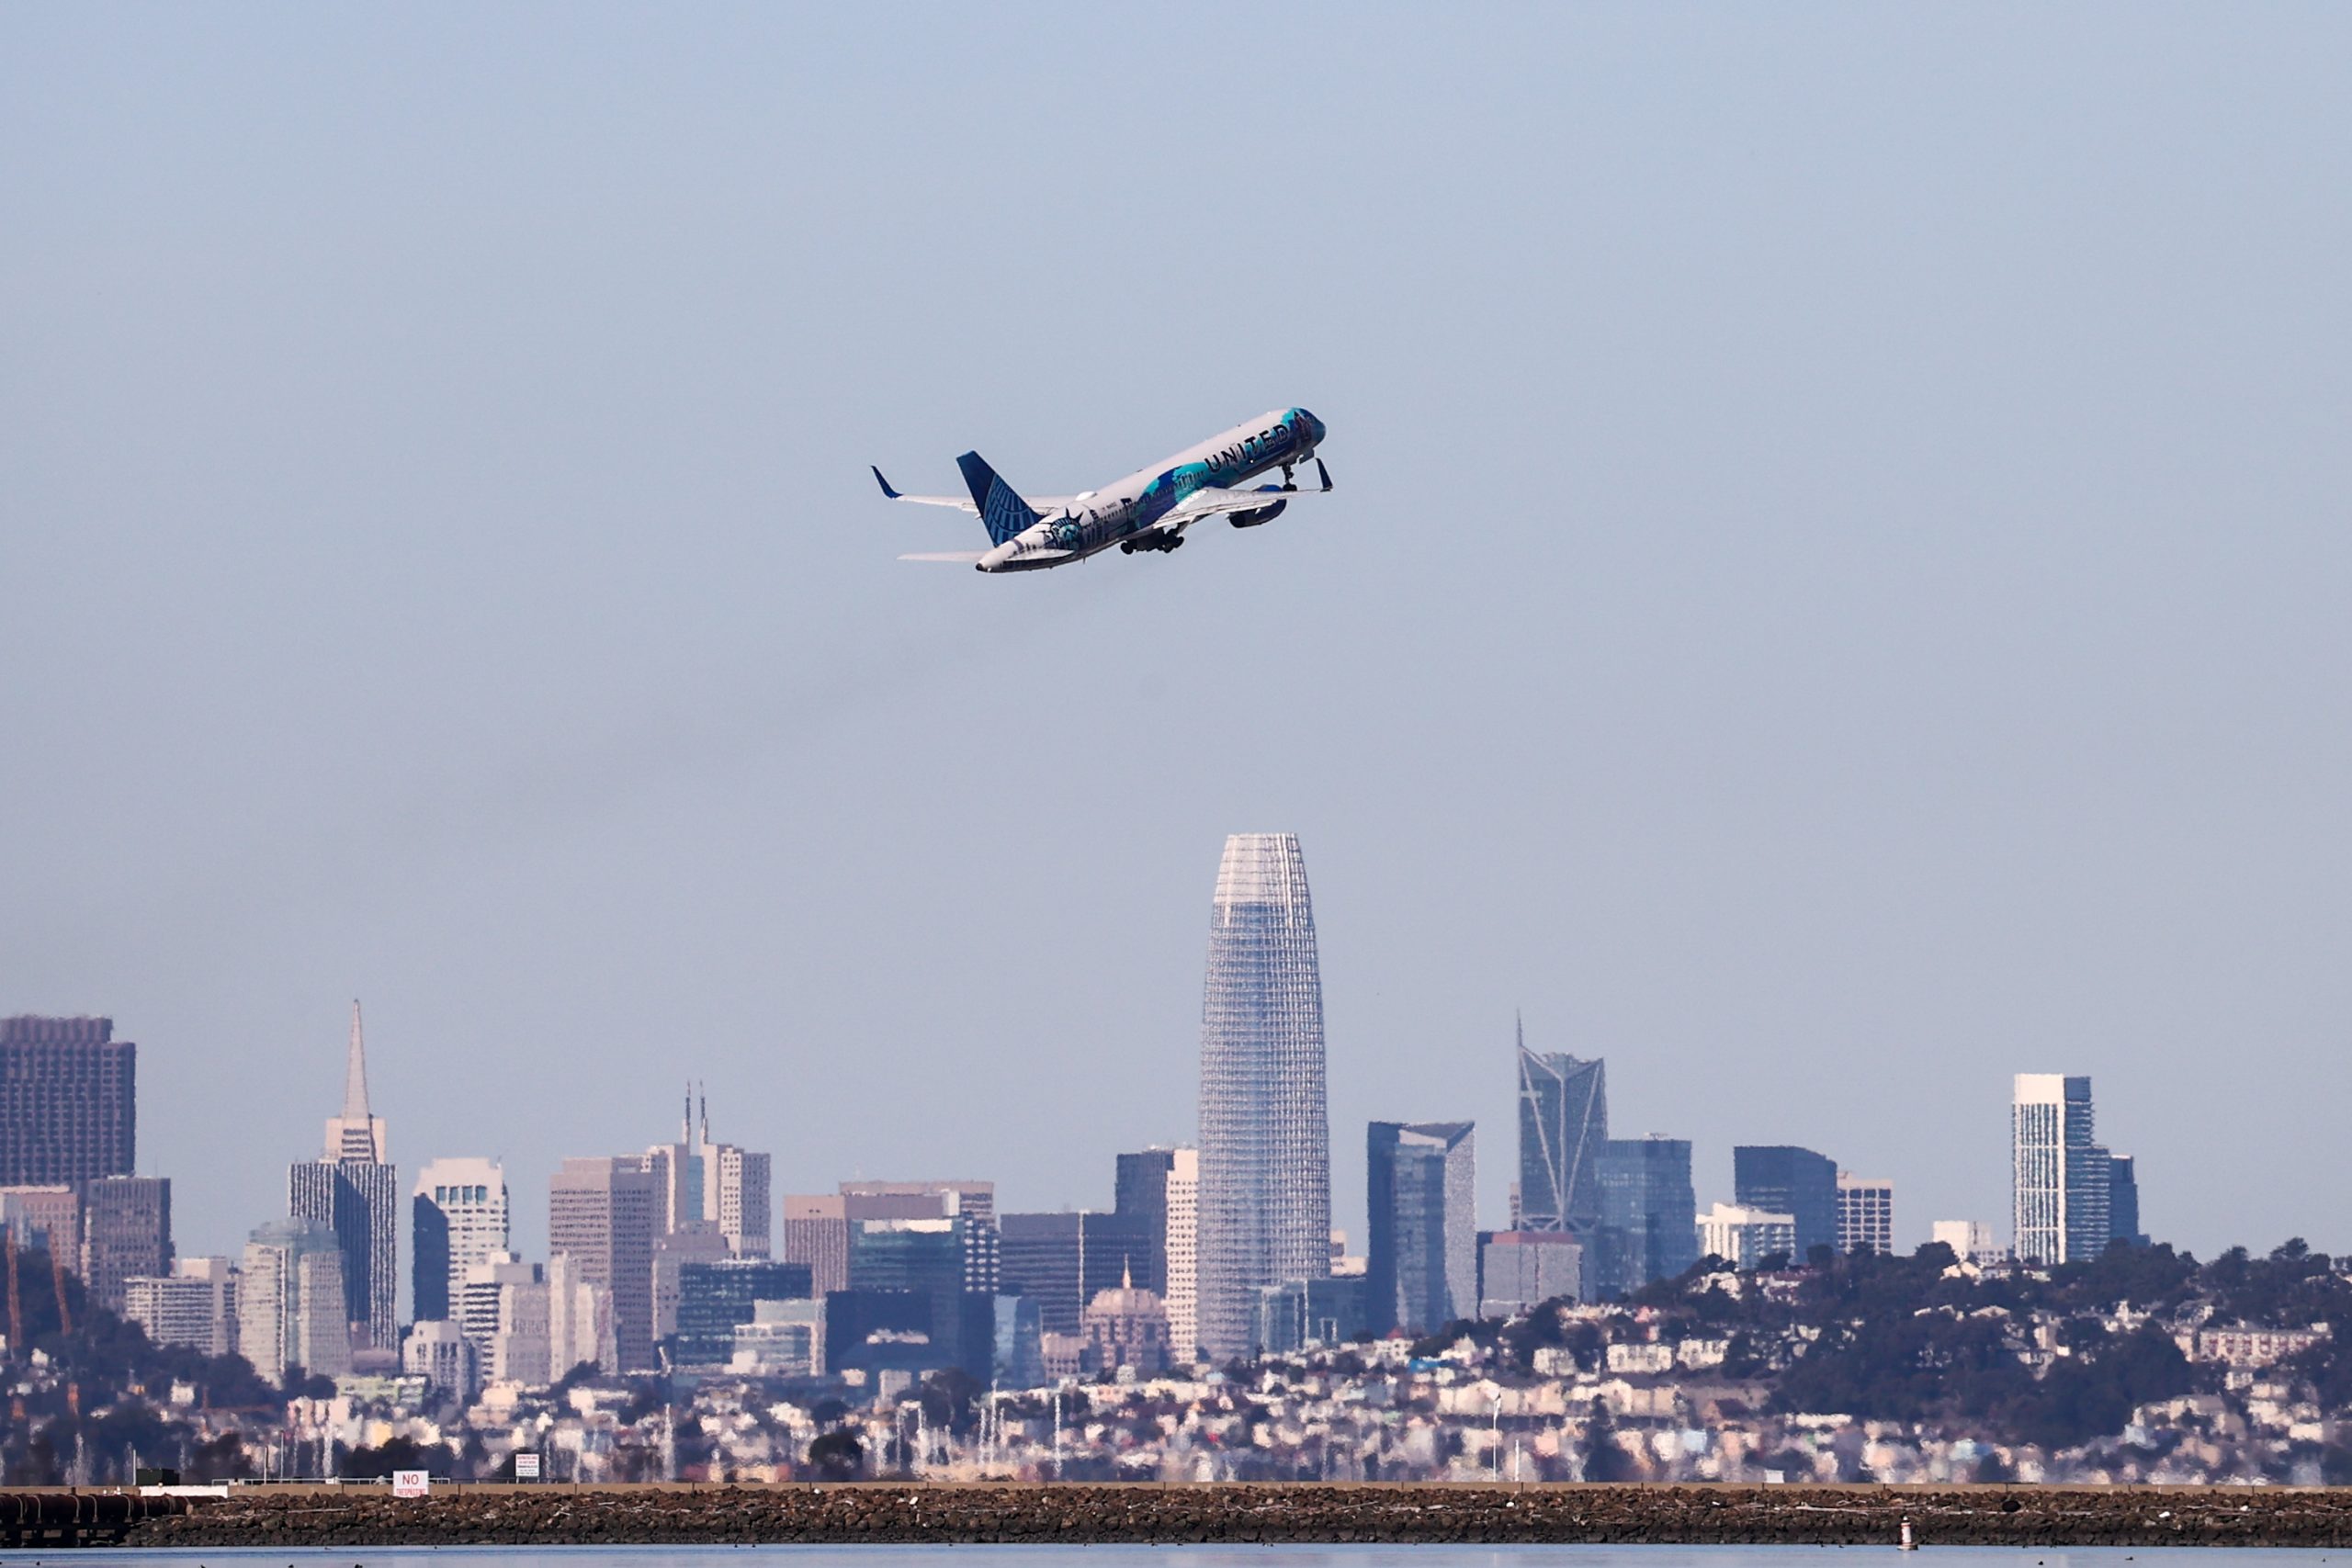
x: 1214, y: 1557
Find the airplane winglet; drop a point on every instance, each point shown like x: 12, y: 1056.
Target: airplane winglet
x: 894, y: 494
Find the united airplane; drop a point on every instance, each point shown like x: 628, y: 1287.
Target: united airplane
x: 1149, y: 510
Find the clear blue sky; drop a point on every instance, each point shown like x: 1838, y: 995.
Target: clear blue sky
x: 1837, y: 593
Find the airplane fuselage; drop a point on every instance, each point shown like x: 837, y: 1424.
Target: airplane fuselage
x: 1129, y: 510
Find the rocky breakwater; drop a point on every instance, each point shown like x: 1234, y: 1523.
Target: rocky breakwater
x: 1244, y: 1514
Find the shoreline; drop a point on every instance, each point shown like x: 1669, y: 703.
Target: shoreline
x: 914, y: 1513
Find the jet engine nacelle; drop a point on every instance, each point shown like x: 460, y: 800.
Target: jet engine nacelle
x: 1259, y: 514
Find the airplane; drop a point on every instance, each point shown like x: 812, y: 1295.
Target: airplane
x: 1149, y: 510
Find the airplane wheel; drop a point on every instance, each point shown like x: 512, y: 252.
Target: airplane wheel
x: 1177, y: 542
x: 1126, y: 548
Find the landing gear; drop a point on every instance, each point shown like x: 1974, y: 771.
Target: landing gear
x: 1151, y: 540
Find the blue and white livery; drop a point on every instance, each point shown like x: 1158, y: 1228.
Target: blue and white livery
x: 1149, y: 510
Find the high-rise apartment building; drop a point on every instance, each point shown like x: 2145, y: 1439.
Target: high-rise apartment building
x: 1647, y: 1210
x: 458, y: 1220
x: 194, y: 1307
x: 1421, y: 1268
x: 355, y: 1191
x: 481, y: 1303
x: 68, y: 1101
x: 583, y: 1324
x: 1163, y: 1187
x: 1563, y: 1122
x: 1265, y: 1191
x: 1782, y: 1179
x: 2060, y: 1179
x: 126, y: 1234
x: 437, y: 1351
x: 291, y: 1308
x: 602, y: 1213
x: 1865, y: 1215
x: 48, y: 1216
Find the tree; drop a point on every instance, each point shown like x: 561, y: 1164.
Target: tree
x: 837, y: 1455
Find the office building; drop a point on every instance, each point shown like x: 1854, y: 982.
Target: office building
x: 696, y: 1179
x: 1747, y: 1239
x: 1126, y: 1327
x: 973, y: 1201
x: 2060, y: 1180
x: 1519, y: 1270
x: 1865, y: 1215
x: 1422, y: 1269
x: 355, y: 1191
x: 2123, y: 1201
x: 480, y: 1304
x: 1299, y: 1314
x: 292, y: 1310
x: 195, y: 1306
x: 1162, y: 1187
x: 583, y: 1317
x: 1782, y: 1179
x: 716, y: 1297
x: 602, y: 1212
x: 816, y: 1232
x: 48, y: 1217
x: 1971, y: 1241
x: 68, y: 1101
x: 522, y: 1347
x: 1062, y: 1262
x: 439, y: 1352
x: 784, y: 1339
x: 1563, y: 1122
x: 1648, y: 1209
x: 457, y: 1219
x: 696, y: 1241
x: 1018, y: 1357
x: 1265, y: 1186
x: 126, y: 1232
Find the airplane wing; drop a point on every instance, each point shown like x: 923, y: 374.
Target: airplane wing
x: 963, y: 558
x: 1043, y: 503
x: 1203, y: 503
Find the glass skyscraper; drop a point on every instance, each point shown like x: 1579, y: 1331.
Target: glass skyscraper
x: 1784, y: 1179
x: 1422, y: 1256
x: 1265, y: 1194
x: 1648, y: 1213
x: 1563, y: 1122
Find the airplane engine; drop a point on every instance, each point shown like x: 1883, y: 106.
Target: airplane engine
x: 1257, y: 516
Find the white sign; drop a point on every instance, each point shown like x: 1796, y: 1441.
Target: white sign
x: 527, y: 1467
x: 411, y: 1484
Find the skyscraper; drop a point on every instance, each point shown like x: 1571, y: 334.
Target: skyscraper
x: 2060, y: 1179
x: 457, y: 1221
x: 1265, y: 1193
x: 1865, y: 1214
x: 195, y: 1305
x: 1063, y: 1260
x: 696, y: 1179
x: 1421, y: 1268
x: 2123, y: 1200
x: 1788, y: 1180
x: 1648, y: 1211
x: 68, y: 1101
x: 602, y: 1215
x: 356, y: 1191
x: 126, y: 1234
x: 1563, y: 1122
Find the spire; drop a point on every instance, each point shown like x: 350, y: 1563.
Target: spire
x: 1126, y: 1272
x: 355, y: 1073
x: 357, y: 1135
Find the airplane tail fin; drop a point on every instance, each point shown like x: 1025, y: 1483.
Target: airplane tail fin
x: 1005, y: 512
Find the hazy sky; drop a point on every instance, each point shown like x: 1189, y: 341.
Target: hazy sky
x: 1837, y: 590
